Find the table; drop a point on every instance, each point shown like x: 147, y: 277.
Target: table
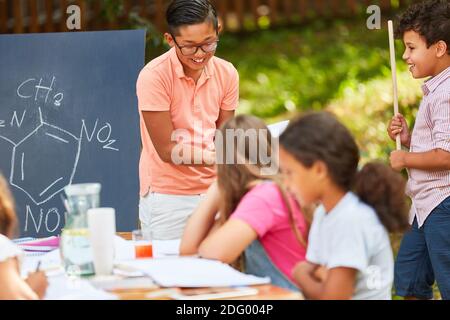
x: 265, y: 292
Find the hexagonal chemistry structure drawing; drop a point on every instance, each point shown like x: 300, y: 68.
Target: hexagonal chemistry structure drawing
x: 47, y: 151
x: 42, y: 149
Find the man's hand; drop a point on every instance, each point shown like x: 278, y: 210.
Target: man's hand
x: 397, y: 159
x: 398, y: 125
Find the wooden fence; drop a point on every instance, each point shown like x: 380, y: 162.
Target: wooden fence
x: 31, y: 16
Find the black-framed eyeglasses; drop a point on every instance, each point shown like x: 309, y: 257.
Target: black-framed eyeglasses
x: 191, y: 50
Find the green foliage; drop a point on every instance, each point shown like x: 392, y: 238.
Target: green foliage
x: 366, y: 108
x: 114, y: 9
x: 155, y: 44
x: 340, y: 66
x: 304, y: 68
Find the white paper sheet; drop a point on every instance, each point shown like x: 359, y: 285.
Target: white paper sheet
x: 62, y: 287
x: 193, y: 272
x: 166, y: 248
x: 50, y: 263
x: 67, y: 288
x: 124, y: 250
x: 277, y: 129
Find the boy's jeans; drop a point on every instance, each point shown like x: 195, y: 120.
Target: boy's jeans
x: 424, y: 256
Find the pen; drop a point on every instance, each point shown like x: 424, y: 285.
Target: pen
x: 38, y: 265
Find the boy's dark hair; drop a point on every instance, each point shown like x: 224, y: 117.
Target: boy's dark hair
x: 430, y: 19
x: 190, y: 12
x: 320, y: 136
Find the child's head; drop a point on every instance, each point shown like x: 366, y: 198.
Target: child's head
x: 242, y: 138
x: 247, y: 142
x: 193, y: 31
x: 8, y: 219
x: 424, y: 28
x: 315, y: 151
x: 319, y: 154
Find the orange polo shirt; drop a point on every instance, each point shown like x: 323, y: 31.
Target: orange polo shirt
x: 163, y: 86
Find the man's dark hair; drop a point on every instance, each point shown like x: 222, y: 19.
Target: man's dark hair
x: 430, y: 19
x: 190, y: 12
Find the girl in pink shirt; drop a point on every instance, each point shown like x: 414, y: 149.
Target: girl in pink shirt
x: 247, y: 213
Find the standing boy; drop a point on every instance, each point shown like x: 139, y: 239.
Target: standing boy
x: 183, y: 96
x: 424, y: 254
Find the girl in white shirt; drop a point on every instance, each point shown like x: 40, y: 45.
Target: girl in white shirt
x: 12, y: 286
x: 349, y: 255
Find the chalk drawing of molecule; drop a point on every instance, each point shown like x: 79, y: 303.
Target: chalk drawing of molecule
x: 28, y: 167
x: 50, y: 142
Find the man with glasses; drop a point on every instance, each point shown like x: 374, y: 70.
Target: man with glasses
x: 183, y: 96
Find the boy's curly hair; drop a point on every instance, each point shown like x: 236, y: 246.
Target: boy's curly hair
x: 430, y: 19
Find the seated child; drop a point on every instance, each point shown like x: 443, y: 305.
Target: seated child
x: 349, y: 253
x: 256, y: 216
x: 12, y: 286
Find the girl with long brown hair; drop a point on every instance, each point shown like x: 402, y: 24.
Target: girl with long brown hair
x: 247, y: 210
x: 12, y: 286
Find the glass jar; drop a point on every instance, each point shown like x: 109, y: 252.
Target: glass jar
x: 76, y: 251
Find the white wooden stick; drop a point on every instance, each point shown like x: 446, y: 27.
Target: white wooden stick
x: 394, y: 75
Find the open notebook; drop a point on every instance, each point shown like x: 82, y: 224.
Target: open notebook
x: 188, y: 272
x: 38, y: 245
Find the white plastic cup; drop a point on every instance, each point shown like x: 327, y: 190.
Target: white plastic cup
x: 102, y: 230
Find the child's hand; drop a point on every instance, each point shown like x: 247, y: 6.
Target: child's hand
x: 38, y: 282
x: 213, y: 193
x: 321, y: 273
x: 398, y: 160
x: 303, y: 268
x: 398, y: 125
x: 209, y: 157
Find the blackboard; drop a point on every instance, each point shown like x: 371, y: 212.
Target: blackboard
x: 68, y: 114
